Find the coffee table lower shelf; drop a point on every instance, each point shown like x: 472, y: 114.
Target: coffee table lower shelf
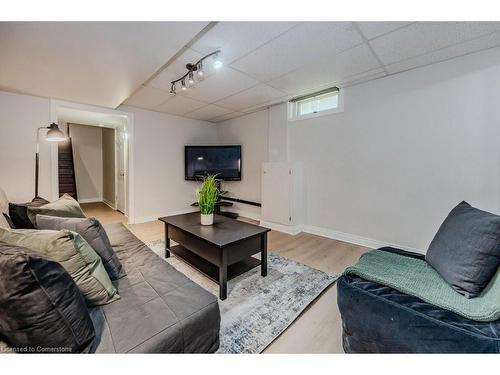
x: 211, y: 270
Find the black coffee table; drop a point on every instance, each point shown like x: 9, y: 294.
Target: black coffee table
x: 221, y: 251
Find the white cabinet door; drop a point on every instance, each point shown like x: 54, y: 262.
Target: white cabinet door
x: 276, y: 193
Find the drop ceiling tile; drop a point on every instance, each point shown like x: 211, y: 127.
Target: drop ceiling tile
x: 484, y: 42
x: 224, y: 83
x: 363, y: 77
x: 322, y: 73
x: 208, y: 112
x: 236, y: 39
x: 301, y: 45
x: 260, y: 107
x: 424, y: 37
x: 229, y: 116
x: 256, y: 95
x: 162, y: 80
x: 374, y: 29
x: 179, y: 105
x: 148, y: 98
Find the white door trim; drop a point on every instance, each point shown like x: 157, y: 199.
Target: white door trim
x: 128, y: 127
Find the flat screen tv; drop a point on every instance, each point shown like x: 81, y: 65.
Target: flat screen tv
x: 223, y: 161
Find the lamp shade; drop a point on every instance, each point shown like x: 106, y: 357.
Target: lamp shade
x: 54, y: 134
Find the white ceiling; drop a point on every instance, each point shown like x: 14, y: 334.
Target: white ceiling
x: 269, y: 62
x: 99, y: 63
x: 264, y: 62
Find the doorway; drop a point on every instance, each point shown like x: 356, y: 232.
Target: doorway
x: 101, y: 156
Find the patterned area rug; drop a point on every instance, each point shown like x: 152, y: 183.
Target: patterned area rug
x: 258, y: 309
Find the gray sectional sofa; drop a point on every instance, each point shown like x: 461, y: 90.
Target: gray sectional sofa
x: 160, y: 310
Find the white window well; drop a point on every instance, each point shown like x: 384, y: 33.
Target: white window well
x: 316, y: 104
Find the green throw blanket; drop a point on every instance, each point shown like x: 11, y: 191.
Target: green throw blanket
x: 417, y: 278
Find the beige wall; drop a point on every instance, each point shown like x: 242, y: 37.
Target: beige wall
x: 158, y: 156
x: 20, y: 116
x: 406, y: 149
x: 251, y: 132
x: 87, y: 156
x: 108, y: 166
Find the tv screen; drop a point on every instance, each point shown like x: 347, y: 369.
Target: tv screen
x: 223, y: 161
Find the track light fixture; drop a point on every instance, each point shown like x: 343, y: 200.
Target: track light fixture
x: 198, y: 68
x: 191, y: 78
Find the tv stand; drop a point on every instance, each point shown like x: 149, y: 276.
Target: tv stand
x: 232, y: 215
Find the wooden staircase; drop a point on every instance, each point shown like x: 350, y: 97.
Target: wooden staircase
x: 67, y: 182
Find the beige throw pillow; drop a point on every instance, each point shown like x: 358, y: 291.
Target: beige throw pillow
x: 74, y: 254
x: 4, y: 209
x: 66, y: 206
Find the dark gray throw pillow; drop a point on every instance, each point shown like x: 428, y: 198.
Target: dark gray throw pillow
x: 93, y: 232
x: 18, y: 213
x: 466, y: 249
x: 41, y: 308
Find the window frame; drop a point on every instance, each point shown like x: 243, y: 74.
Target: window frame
x: 293, y: 107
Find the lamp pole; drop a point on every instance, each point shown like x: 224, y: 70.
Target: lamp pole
x: 54, y: 134
x: 37, y: 158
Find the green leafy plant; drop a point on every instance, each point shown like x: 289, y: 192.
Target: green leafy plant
x: 207, y: 195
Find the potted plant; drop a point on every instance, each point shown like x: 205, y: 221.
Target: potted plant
x: 207, y: 196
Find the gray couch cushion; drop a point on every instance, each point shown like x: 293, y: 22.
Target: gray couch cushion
x: 92, y: 231
x: 160, y: 310
x: 41, y: 308
x: 466, y: 249
x: 74, y: 254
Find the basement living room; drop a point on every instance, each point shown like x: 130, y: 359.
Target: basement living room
x: 230, y: 187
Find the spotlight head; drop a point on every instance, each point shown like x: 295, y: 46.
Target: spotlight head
x: 183, y: 85
x: 217, y: 61
x: 200, y: 70
x: 191, y: 78
x: 172, y: 89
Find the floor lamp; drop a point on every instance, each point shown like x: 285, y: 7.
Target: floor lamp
x: 54, y: 134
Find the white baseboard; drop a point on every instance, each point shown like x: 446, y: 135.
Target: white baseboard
x: 108, y: 203
x: 296, y: 229
x: 145, y: 219
x: 354, y: 239
x: 90, y: 200
x: 288, y: 229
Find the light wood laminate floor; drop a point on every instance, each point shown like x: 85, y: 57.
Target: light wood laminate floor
x: 318, y: 329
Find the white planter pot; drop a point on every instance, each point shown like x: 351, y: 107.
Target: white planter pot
x: 207, y: 219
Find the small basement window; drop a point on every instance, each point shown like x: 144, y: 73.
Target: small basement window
x: 316, y: 104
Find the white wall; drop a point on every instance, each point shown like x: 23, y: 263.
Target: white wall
x: 406, y: 149
x: 88, y: 162
x: 20, y: 116
x: 251, y: 132
x: 158, y: 142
